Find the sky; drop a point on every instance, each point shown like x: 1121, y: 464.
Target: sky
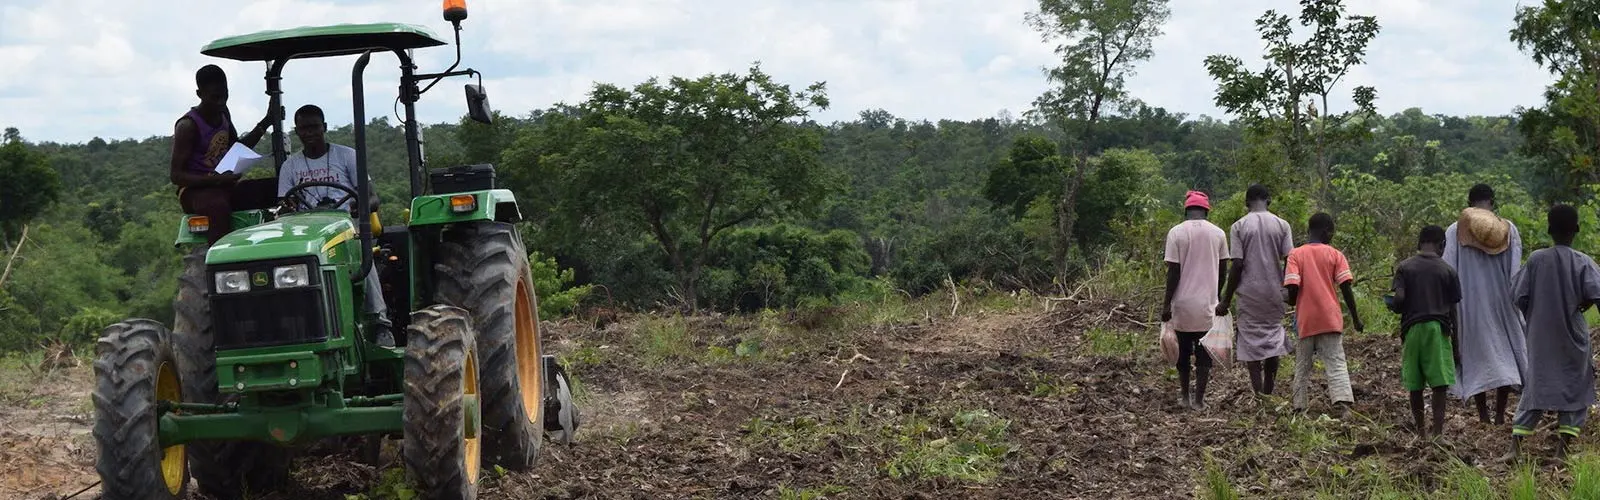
x: 116, y: 69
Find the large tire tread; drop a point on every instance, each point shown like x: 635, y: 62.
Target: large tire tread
x: 127, y: 358
x: 478, y: 268
x: 434, y: 451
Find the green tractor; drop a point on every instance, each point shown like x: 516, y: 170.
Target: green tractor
x: 271, y: 350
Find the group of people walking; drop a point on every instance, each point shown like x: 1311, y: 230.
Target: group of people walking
x: 1474, y: 318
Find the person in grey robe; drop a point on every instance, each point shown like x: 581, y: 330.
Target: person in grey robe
x: 1553, y: 290
x: 1490, y: 340
x: 1259, y: 242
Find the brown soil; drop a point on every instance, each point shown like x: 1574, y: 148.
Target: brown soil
x: 45, y: 447
x: 831, y: 418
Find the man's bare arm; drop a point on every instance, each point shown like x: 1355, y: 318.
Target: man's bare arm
x: 1350, y: 303
x: 182, y: 146
x: 1234, y: 274
x: 254, y: 136
x: 1174, y: 272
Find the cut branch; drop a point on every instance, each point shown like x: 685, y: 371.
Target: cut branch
x: 14, y: 251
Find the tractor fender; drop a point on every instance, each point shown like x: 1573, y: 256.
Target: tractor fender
x: 498, y: 205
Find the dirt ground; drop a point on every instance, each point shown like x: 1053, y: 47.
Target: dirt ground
x: 1071, y: 403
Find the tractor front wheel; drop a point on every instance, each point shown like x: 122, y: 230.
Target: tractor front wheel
x: 225, y: 470
x: 134, y: 368
x: 483, y: 268
x: 442, y: 421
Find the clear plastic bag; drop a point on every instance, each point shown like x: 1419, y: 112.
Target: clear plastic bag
x: 1218, y: 342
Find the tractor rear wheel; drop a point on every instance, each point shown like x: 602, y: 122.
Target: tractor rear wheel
x: 442, y: 422
x: 222, y: 469
x: 483, y: 268
x: 134, y: 368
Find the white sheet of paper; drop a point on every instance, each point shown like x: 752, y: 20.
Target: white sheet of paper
x: 238, y: 160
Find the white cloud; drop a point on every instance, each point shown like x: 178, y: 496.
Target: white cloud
x: 76, y: 69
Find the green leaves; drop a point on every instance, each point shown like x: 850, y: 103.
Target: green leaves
x: 681, y: 160
x: 1564, y: 37
x: 1099, y: 41
x: 783, y: 265
x: 28, y: 186
x: 1030, y: 169
x: 1270, y: 101
x: 1561, y: 35
x: 552, y: 285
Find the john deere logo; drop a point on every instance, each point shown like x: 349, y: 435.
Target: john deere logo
x: 260, y: 279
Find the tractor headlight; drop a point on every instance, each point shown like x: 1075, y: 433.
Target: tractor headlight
x: 233, y: 282
x: 290, y: 276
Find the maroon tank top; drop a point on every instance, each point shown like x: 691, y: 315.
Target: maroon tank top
x: 211, y: 143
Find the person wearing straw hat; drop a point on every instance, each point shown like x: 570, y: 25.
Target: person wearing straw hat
x: 1197, y: 261
x: 1486, y: 251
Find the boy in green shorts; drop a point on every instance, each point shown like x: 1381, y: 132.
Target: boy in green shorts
x: 1426, y: 291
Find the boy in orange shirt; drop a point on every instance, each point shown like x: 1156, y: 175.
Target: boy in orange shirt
x: 1314, y: 269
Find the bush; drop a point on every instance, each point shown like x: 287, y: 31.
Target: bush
x: 783, y: 265
x: 981, y: 244
x: 18, y: 329
x: 84, y: 327
x: 550, y: 283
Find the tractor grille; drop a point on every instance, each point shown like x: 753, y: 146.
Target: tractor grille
x: 266, y: 316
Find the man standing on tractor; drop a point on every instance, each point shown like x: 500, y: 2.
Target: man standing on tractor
x: 199, y: 140
x: 319, y: 161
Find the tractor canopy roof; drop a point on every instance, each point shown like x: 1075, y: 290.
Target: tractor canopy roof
x: 321, y: 41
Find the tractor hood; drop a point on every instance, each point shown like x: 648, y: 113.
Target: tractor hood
x: 329, y: 234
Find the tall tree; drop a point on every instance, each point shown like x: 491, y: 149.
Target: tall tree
x: 1099, y: 41
x: 683, y: 161
x: 1270, y: 100
x: 1024, y: 174
x: 27, y: 185
x: 1564, y: 37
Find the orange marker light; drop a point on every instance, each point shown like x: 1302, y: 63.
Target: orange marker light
x: 463, y: 203
x: 199, y: 224
x: 455, y: 11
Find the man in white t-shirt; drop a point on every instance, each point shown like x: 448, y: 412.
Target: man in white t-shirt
x: 320, y: 161
x: 1197, y: 262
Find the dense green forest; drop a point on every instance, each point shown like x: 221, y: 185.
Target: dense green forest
x: 719, y: 192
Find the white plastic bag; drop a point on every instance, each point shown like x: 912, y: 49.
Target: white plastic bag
x: 1218, y: 342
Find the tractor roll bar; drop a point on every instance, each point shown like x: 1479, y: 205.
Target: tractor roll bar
x: 275, y: 102
x: 409, y: 95
x: 363, y: 183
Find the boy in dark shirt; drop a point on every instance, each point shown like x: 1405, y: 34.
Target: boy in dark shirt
x: 1426, y: 291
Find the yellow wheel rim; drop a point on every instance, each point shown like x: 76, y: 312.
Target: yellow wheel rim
x: 173, y: 460
x: 528, y: 362
x: 470, y: 435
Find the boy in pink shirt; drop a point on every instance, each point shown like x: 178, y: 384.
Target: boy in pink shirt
x: 1197, y: 262
x: 1314, y: 269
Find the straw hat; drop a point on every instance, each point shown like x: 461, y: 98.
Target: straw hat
x: 1481, y: 229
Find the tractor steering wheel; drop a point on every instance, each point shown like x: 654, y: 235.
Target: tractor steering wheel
x: 302, y: 199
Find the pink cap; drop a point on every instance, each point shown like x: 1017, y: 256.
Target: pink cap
x: 1197, y: 199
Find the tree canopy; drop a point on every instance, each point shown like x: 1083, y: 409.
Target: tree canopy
x: 686, y: 160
